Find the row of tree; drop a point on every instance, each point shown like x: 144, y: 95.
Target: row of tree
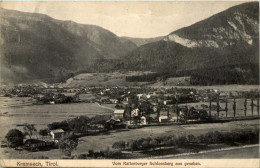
x: 216, y: 137
x: 81, y: 123
x: 58, y: 99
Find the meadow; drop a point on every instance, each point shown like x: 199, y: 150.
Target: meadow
x: 104, y: 79
x: 15, y: 111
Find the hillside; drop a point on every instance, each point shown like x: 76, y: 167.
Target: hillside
x: 36, y: 46
x: 142, y: 41
x: 222, y: 46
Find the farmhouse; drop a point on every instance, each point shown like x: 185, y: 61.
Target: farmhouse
x: 163, y: 119
x: 119, y: 113
x: 33, y: 144
x: 56, y: 134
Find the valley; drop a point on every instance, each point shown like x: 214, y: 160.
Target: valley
x: 71, y: 89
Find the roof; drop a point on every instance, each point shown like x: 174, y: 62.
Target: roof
x: 121, y: 111
x: 163, y: 117
x: 57, y: 131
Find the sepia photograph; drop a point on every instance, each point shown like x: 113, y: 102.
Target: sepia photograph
x: 129, y: 84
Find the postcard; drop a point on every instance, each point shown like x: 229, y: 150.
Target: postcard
x: 129, y: 84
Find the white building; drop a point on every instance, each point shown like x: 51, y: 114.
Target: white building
x: 56, y: 134
x: 119, y: 113
x: 134, y: 112
x: 143, y: 120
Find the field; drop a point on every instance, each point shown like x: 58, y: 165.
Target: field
x: 103, y: 79
x: 19, y: 111
x: 118, y: 79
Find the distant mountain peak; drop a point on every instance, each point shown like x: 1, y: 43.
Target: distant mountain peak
x: 221, y: 30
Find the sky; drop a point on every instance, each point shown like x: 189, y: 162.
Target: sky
x: 132, y: 19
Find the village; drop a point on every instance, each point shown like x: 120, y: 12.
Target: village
x: 133, y: 108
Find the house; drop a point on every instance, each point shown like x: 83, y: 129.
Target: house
x: 114, y: 101
x: 166, y: 102
x: 143, y: 120
x: 52, y: 102
x: 33, y: 144
x: 135, y: 112
x: 119, y: 113
x: 163, y: 119
x: 56, y: 134
x: 114, y: 123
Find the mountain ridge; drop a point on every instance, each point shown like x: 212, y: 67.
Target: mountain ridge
x: 224, y: 39
x: 46, y: 48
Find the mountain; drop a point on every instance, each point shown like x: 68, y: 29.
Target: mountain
x: 142, y: 41
x: 36, y: 46
x: 222, y: 46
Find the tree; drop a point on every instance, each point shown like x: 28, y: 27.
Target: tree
x: 119, y: 145
x: 43, y: 132
x: 29, y: 129
x: 68, y: 143
x: 181, y: 140
x: 59, y: 125
x: 218, y: 105
x: 218, y: 137
x: 153, y: 143
x: 203, y: 114
x: 234, y: 107
x: 245, y: 106
x: 14, y: 138
x: 145, y: 145
x: 100, y: 119
x: 79, y: 124
x: 133, y: 145
x: 170, y: 141
x: 192, y: 139
x: 252, y: 106
x: 226, y: 108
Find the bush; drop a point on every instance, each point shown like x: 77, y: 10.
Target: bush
x: 82, y: 156
x: 14, y: 138
x: 153, y: 143
x: 119, y: 145
x: 114, y: 155
x: 170, y: 142
x: 145, y: 145
x: 90, y: 153
x: 192, y: 139
x: 133, y: 145
x: 218, y: 137
x: 182, y: 140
